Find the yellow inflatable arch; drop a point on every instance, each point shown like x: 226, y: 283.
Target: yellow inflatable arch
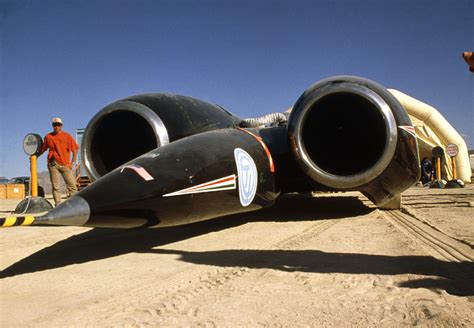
x: 432, y: 130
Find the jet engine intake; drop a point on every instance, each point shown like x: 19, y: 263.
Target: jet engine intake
x: 130, y: 127
x: 343, y: 131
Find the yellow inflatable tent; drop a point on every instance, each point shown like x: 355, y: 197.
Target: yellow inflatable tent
x: 432, y: 130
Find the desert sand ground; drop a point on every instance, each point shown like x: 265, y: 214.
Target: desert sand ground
x: 330, y: 260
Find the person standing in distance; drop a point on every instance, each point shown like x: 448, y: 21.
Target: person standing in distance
x: 60, y: 145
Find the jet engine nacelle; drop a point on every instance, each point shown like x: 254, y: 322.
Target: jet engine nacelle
x: 350, y: 133
x: 133, y: 126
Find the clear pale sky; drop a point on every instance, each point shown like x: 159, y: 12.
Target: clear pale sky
x: 71, y: 58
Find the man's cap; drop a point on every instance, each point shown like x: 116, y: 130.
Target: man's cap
x: 57, y: 120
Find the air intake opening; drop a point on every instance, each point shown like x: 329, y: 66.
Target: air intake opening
x: 344, y: 133
x: 119, y: 137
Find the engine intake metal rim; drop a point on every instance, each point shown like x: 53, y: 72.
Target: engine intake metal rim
x: 155, y: 122
x: 355, y: 180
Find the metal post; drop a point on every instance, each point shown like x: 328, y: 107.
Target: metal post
x: 34, y: 176
x: 438, y: 168
x: 455, y: 176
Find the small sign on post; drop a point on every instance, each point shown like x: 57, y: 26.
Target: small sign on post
x: 452, y: 150
x: 32, y: 145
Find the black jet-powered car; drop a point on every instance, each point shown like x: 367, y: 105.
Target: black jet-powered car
x: 162, y: 159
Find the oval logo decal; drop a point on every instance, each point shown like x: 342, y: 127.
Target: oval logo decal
x: 247, y: 176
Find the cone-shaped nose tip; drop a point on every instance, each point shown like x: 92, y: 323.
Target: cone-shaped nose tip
x: 73, y: 212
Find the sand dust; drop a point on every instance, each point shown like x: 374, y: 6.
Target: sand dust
x: 331, y: 260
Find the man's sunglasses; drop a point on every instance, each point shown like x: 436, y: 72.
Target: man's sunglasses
x: 57, y: 124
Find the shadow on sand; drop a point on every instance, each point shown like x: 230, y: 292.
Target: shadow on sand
x: 97, y: 244
x: 454, y: 277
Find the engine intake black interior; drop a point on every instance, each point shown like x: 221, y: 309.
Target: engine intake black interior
x: 343, y: 133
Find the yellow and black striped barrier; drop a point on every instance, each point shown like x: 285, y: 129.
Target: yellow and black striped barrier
x: 14, y: 221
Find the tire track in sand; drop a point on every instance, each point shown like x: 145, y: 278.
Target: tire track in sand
x: 179, y: 301
x: 435, y: 242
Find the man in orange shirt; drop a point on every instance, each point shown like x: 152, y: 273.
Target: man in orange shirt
x: 60, y: 145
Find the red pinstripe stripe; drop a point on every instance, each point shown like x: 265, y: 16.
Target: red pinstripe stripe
x: 267, y: 151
